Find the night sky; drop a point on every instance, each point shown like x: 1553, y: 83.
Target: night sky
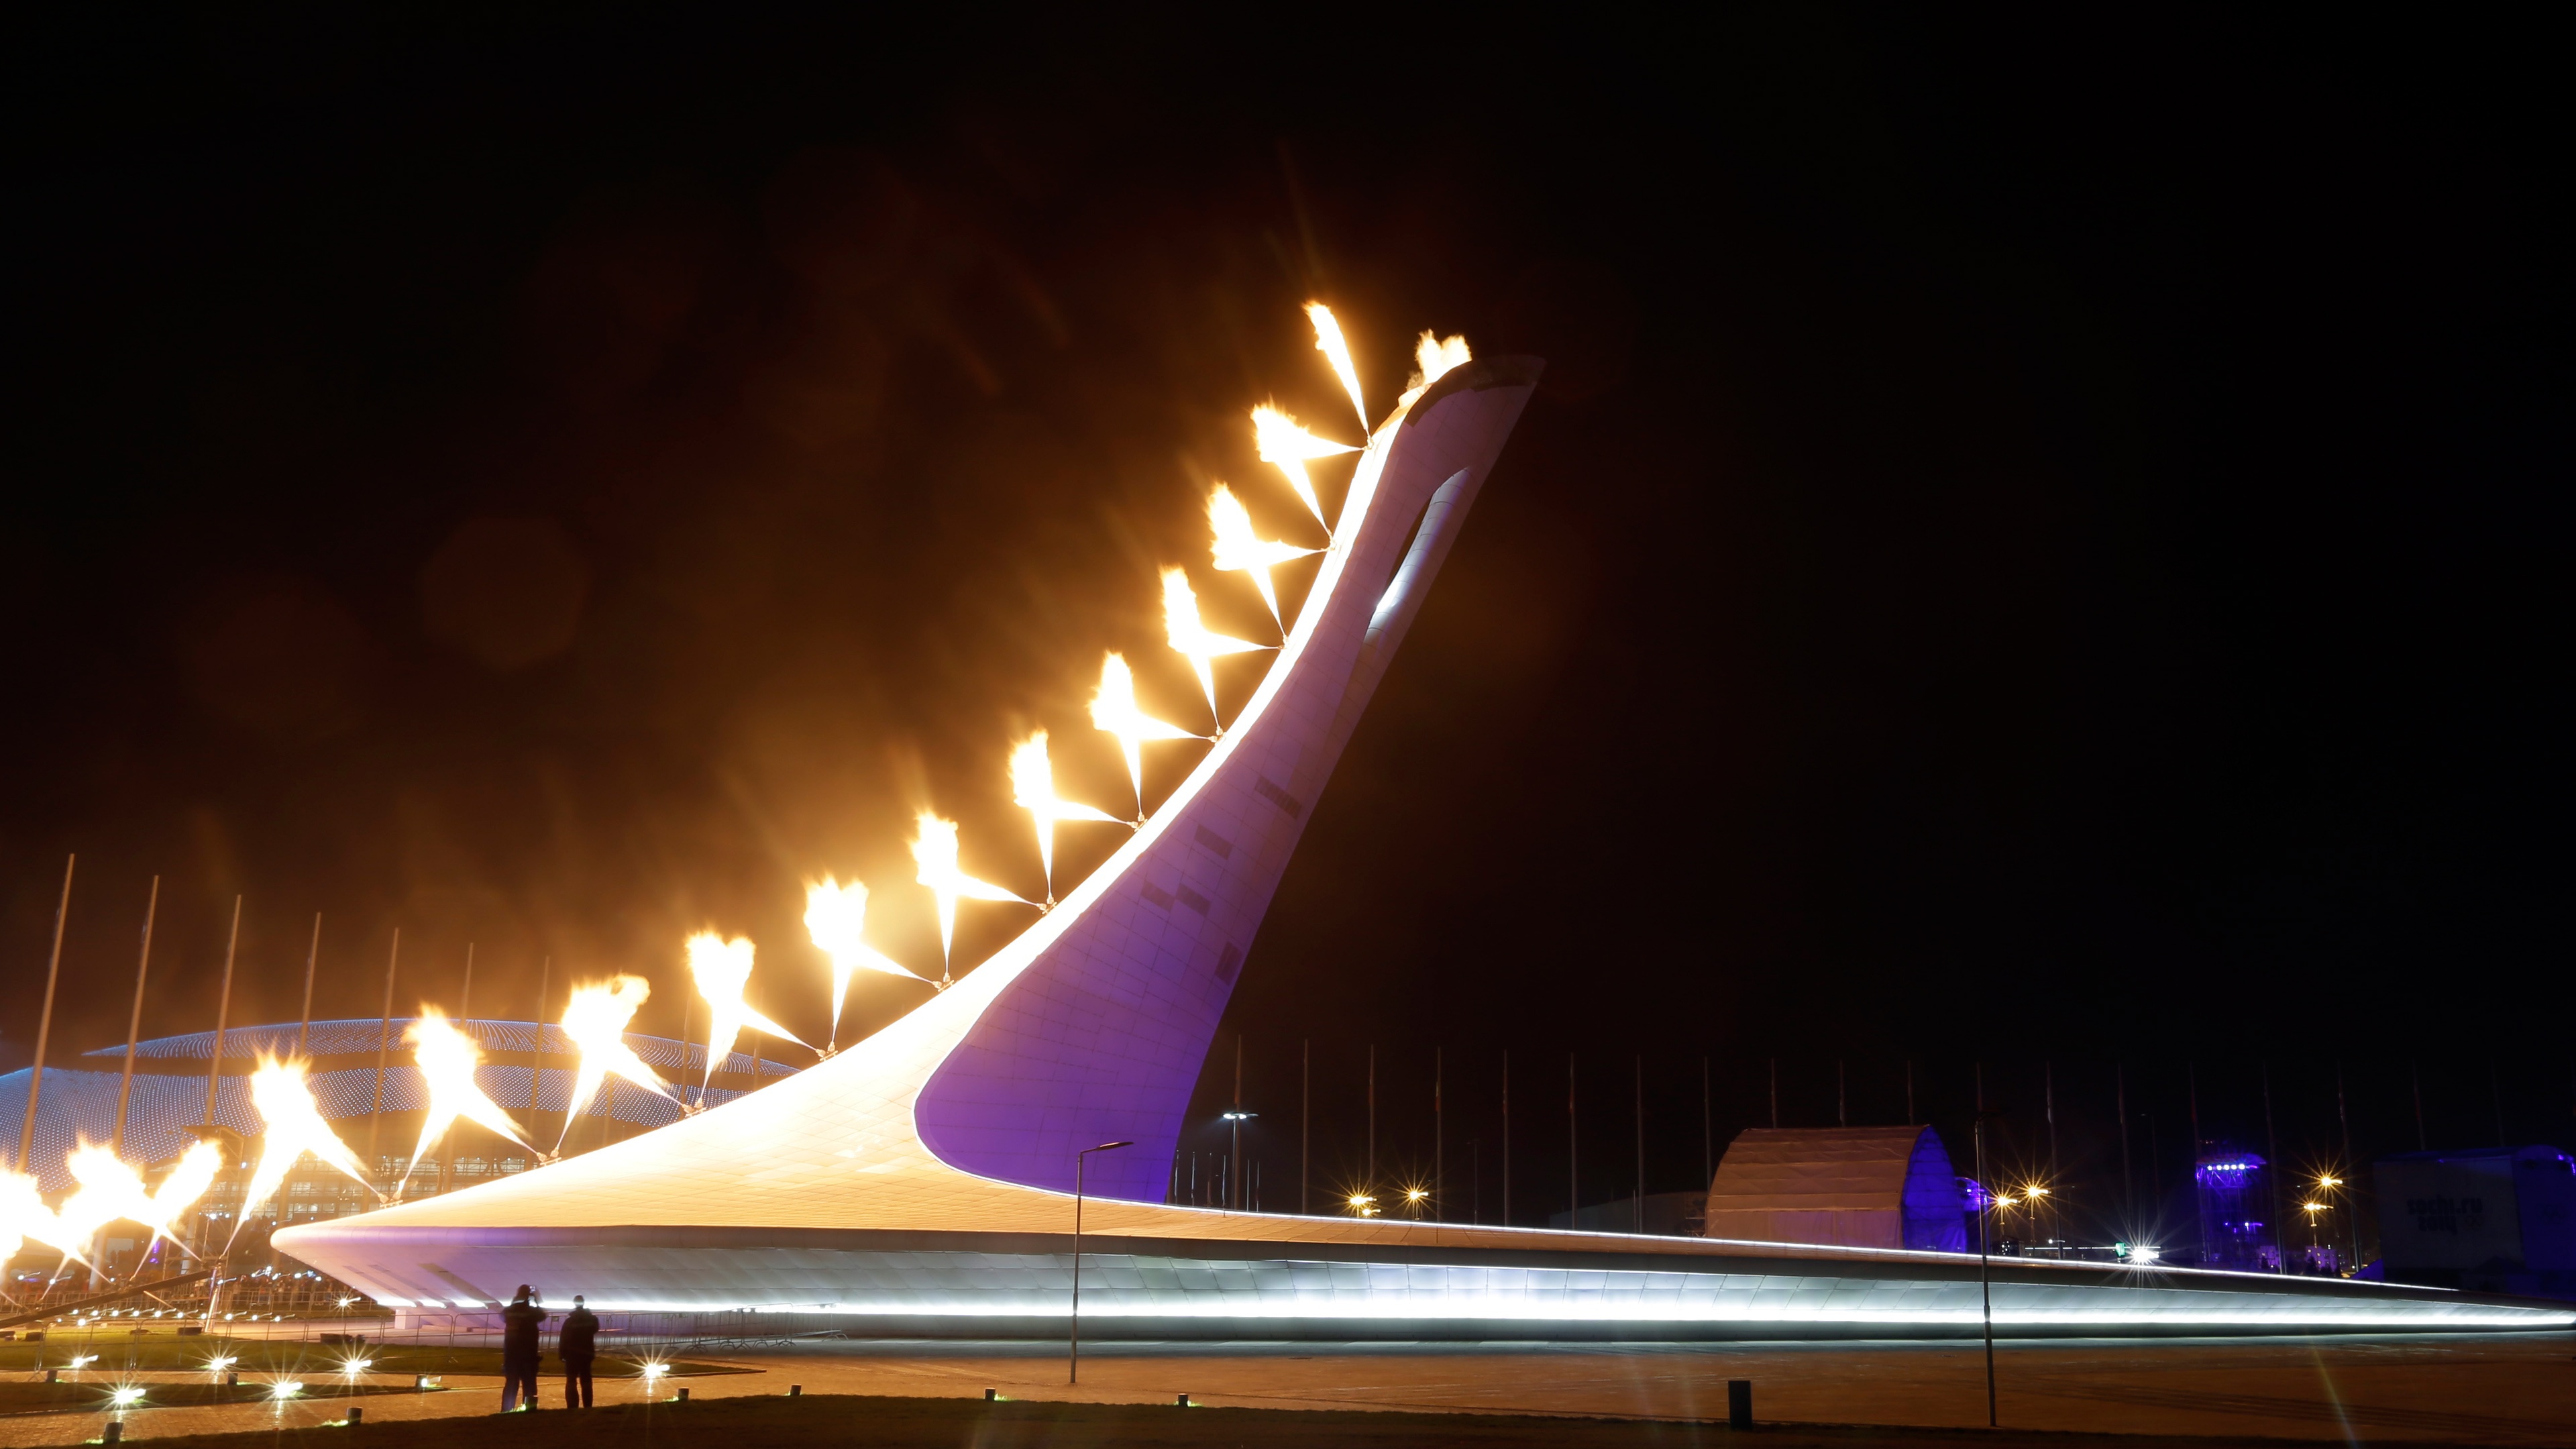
x: 2032, y: 546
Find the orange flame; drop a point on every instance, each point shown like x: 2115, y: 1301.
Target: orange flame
x: 1328, y: 341
x: 1114, y: 711
x: 1033, y: 788
x: 1240, y: 550
x: 934, y: 850
x: 291, y: 1125
x: 112, y: 1191
x: 1283, y: 444
x: 721, y: 969
x: 836, y: 915
x: 1191, y: 638
x: 23, y: 1215
x: 1433, y: 359
x: 595, y: 1018
x: 447, y: 1059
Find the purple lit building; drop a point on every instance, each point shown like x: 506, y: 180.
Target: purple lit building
x: 2234, y: 1191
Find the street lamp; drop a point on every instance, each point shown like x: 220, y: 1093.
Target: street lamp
x: 1073, y: 1338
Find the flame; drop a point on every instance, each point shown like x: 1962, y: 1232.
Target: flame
x: 447, y: 1059
x: 112, y: 1191
x: 1433, y: 359
x: 835, y: 914
x: 1033, y: 787
x: 1328, y: 341
x: 935, y: 851
x: 1239, y: 550
x: 291, y: 1124
x: 595, y: 1018
x: 1191, y: 638
x: 1280, y: 442
x: 1114, y: 711
x: 722, y: 969
x: 23, y: 1215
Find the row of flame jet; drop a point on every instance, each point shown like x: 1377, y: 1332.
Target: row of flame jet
x: 108, y: 1189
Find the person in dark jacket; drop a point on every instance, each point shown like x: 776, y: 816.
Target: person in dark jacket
x: 519, y: 1324
x: 579, y: 1344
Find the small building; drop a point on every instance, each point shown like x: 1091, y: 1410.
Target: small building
x: 2488, y: 1220
x: 1859, y: 1187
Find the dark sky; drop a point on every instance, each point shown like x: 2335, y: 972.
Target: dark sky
x: 2033, y: 544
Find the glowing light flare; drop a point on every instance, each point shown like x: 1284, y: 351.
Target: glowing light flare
x: 1033, y: 789
x: 595, y: 1018
x: 285, y: 1388
x: 836, y: 916
x: 127, y: 1396
x: 934, y: 853
x: 1192, y: 639
x: 1289, y: 448
x: 1337, y: 351
x: 1240, y: 550
x: 721, y: 968
x: 220, y: 1362
x: 1114, y: 712
x: 447, y: 1059
x: 1433, y: 359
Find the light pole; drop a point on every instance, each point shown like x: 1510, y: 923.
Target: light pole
x: 1985, y: 1278
x: 1073, y: 1337
x: 1234, y: 1158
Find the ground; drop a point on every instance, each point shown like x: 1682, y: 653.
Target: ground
x: 2501, y: 1389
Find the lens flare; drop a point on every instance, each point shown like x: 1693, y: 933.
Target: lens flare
x: 291, y: 1125
x: 447, y: 1059
x: 836, y: 915
x: 1114, y: 712
x: 595, y: 1018
x: 722, y: 969
x: 1433, y: 358
x: 1240, y: 550
x: 1328, y: 341
x: 1288, y: 447
x: 1191, y: 639
x: 1033, y: 788
x: 934, y: 850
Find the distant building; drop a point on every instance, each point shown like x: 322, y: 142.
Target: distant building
x: 2489, y: 1220
x: 2234, y: 1190
x: 1667, y: 1214
x: 1860, y: 1187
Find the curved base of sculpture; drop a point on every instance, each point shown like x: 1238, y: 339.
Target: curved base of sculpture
x: 922, y: 1176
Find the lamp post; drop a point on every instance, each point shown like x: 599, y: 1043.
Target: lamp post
x: 1985, y: 1278
x: 1073, y: 1337
x: 1234, y: 1178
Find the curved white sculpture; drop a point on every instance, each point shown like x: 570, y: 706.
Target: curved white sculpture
x: 920, y: 1178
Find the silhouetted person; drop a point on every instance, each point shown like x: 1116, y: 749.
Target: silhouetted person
x: 579, y: 1345
x: 519, y: 1323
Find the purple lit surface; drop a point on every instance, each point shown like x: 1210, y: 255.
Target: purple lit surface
x: 1102, y: 1038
